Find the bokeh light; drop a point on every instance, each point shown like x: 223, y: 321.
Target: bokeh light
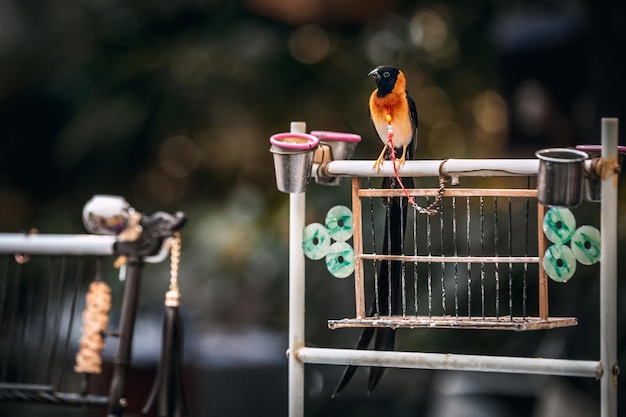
x: 490, y: 112
x: 190, y: 65
x: 433, y: 105
x: 179, y: 156
x: 430, y: 31
x: 309, y: 44
x: 447, y: 140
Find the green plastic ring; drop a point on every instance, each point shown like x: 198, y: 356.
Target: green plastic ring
x: 559, y: 262
x: 315, y: 241
x: 340, y: 260
x: 339, y: 223
x: 586, y: 245
x: 559, y: 225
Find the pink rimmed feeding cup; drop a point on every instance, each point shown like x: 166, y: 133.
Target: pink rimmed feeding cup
x: 293, y: 160
x: 342, y: 145
x: 334, y: 146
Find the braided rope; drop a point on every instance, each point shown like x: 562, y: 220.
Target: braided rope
x: 95, y: 321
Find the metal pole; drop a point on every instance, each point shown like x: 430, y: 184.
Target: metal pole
x: 442, y: 361
x: 296, y: 295
x: 121, y: 361
x: 57, y: 244
x: 608, y: 269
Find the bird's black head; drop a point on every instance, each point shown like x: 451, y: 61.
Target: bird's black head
x: 385, y: 77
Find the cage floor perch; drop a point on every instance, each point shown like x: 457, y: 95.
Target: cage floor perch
x: 453, y: 322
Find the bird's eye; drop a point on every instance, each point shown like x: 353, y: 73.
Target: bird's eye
x: 386, y: 74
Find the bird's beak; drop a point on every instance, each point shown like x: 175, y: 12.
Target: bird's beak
x: 374, y: 73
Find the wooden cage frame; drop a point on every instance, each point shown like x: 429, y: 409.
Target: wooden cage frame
x: 542, y: 321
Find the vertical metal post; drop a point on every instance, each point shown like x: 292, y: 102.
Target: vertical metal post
x: 296, y: 295
x: 608, y: 269
x: 121, y: 362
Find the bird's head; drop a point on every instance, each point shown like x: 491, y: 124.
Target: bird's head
x: 385, y: 77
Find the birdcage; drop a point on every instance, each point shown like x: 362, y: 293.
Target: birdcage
x: 467, y: 260
x: 465, y: 264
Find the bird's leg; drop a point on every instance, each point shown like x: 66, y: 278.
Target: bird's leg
x: 381, y: 159
x: 403, y: 157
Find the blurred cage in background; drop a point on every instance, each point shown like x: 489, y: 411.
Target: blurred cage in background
x: 57, y: 311
x: 42, y: 302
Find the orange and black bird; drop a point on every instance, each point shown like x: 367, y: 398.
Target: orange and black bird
x: 393, y: 112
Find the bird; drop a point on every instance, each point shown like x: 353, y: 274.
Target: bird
x: 390, y: 98
x: 393, y: 113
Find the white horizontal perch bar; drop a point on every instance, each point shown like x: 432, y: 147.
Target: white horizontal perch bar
x: 50, y: 244
x: 441, y: 361
x: 431, y: 168
x: 453, y: 259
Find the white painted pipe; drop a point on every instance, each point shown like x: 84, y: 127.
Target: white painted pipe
x: 608, y: 268
x: 442, y: 361
x: 52, y: 244
x: 297, y: 203
x: 430, y: 168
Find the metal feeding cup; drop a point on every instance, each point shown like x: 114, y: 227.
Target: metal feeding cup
x: 293, y: 160
x: 334, y: 146
x: 560, y: 178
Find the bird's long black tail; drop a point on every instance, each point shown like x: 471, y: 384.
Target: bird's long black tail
x: 389, y: 284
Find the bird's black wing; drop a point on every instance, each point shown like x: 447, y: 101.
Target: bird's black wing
x: 414, y: 121
x: 390, y: 275
x: 389, y: 284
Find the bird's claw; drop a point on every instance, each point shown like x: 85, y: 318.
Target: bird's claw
x: 378, y: 164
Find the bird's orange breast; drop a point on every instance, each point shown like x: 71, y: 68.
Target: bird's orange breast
x: 395, y: 105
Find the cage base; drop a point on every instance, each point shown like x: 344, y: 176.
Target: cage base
x: 45, y: 394
x: 456, y: 322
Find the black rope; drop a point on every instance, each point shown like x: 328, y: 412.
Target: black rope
x: 78, y: 275
x: 403, y: 267
x: 526, y: 239
x: 456, y: 264
x: 29, y: 286
x: 56, y: 326
x: 429, y: 275
x: 415, y: 263
x: 510, y: 226
x: 497, y: 265
x: 374, y: 263
x: 469, y: 253
x: 443, y: 264
x: 482, y: 253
